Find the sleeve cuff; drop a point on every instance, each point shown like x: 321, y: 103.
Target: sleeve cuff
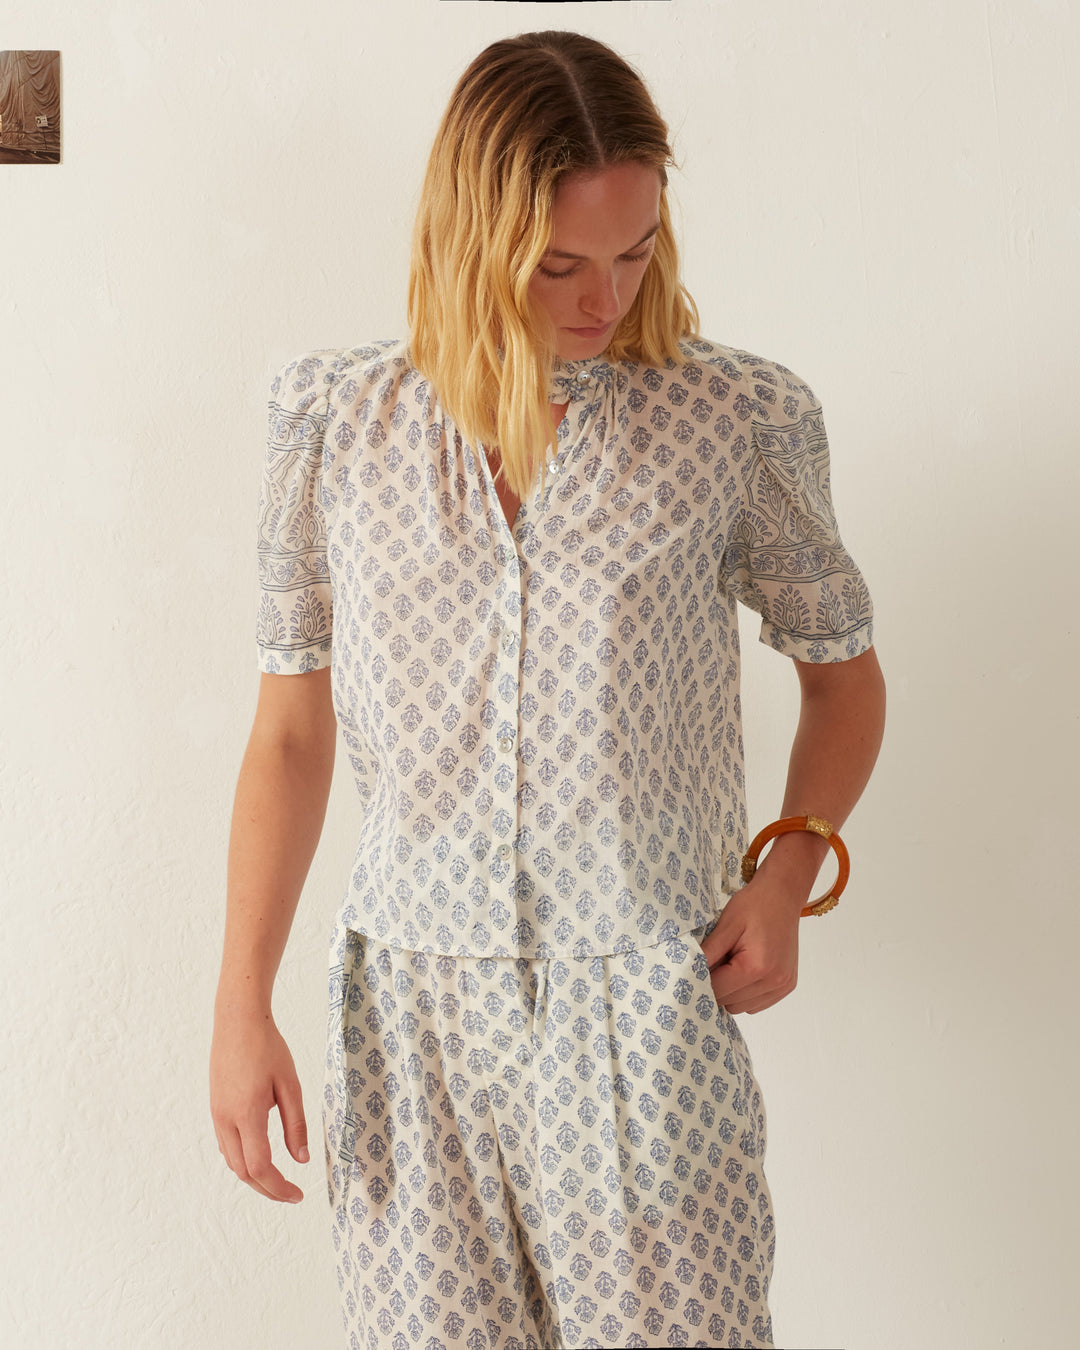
x: 818, y: 649
x: 289, y: 661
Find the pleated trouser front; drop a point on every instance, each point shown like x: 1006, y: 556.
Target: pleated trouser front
x: 533, y: 1154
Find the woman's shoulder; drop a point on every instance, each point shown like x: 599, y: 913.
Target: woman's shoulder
x: 773, y: 389
x: 312, y: 374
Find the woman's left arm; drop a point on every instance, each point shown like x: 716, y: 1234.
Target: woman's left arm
x: 755, y: 944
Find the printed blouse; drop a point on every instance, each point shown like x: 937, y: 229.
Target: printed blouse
x: 544, y: 720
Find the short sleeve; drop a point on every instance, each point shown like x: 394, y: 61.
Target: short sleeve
x: 784, y: 557
x: 294, y: 625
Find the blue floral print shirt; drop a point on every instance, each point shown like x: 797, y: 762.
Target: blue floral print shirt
x: 544, y: 720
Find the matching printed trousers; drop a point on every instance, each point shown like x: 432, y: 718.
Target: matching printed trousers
x: 537, y: 1154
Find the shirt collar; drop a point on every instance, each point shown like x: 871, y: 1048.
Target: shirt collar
x: 573, y: 381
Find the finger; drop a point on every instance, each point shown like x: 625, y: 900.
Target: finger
x: 232, y: 1149
x: 259, y: 1166
x: 737, y: 1003
x: 760, y: 1004
x: 732, y: 983
x: 293, y: 1125
x: 269, y: 1181
x: 764, y: 996
x: 229, y: 1143
x: 740, y: 991
x: 720, y: 943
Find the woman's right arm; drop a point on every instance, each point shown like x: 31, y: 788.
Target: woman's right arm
x: 278, y: 815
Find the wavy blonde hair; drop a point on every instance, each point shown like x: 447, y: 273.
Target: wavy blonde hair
x: 528, y: 111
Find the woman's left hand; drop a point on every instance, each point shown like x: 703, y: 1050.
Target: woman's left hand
x: 755, y: 947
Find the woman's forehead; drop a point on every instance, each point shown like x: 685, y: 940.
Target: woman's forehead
x: 589, y: 208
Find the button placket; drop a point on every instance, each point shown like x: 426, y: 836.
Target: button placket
x: 504, y: 630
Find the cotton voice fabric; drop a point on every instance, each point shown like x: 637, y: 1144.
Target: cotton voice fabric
x: 534, y: 1154
x: 543, y: 720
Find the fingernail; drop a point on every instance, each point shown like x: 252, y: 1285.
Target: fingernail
x: 303, y: 1155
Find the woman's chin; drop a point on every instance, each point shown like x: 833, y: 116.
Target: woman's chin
x: 581, y: 346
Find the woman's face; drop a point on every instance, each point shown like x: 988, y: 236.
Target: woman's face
x: 604, y: 227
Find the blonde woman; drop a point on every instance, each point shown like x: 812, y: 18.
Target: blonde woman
x: 502, y: 558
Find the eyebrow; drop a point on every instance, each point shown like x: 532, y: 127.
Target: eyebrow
x: 578, y: 257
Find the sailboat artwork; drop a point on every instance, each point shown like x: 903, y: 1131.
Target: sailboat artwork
x: 29, y: 107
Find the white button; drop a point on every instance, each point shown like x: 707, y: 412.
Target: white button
x: 509, y: 642
x: 583, y: 376
x: 506, y: 743
x: 504, y: 851
x: 554, y: 466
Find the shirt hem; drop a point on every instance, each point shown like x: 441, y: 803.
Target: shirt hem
x: 572, y: 953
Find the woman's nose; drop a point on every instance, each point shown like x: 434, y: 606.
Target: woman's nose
x: 601, y: 300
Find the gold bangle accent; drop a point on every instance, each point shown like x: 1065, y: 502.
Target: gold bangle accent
x: 819, y: 826
x: 814, y: 825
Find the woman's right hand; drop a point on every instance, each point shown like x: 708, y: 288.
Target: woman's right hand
x: 252, y: 1071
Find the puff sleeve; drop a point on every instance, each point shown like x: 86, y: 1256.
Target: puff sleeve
x: 294, y: 624
x: 784, y: 557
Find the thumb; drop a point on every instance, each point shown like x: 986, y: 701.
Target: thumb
x: 293, y: 1124
x: 724, y: 938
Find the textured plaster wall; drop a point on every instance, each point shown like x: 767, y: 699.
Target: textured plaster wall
x: 882, y: 196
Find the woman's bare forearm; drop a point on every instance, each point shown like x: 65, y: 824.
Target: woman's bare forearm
x: 753, y: 952
x: 278, y: 815
x: 841, y: 724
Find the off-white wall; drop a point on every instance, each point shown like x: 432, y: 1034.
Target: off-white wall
x: 882, y: 196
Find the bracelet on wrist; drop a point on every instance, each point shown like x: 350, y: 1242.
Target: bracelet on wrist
x: 814, y: 825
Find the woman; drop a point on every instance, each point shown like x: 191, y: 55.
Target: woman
x: 504, y: 558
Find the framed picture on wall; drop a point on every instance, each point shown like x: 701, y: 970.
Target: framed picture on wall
x: 29, y: 107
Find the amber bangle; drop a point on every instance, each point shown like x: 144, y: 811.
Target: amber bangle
x: 815, y: 825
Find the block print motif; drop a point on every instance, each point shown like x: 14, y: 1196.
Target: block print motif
x: 543, y: 721
x: 526, y: 1154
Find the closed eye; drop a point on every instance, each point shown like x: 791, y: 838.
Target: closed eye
x: 626, y: 257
